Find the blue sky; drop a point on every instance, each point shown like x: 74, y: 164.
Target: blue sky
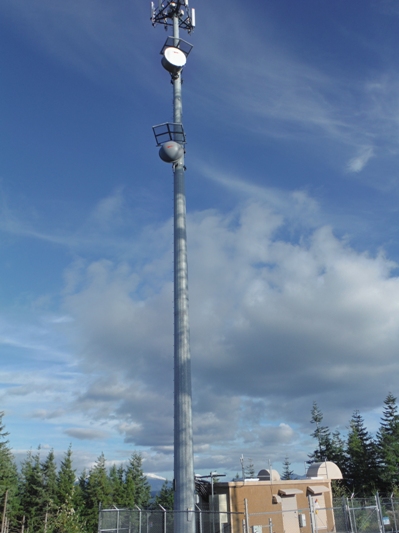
x: 292, y: 115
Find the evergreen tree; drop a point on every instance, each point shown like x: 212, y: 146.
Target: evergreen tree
x: 8, y: 476
x: 287, y: 472
x: 66, y: 480
x: 166, y: 496
x: 339, y: 488
x: 117, y: 484
x: 97, y: 491
x: 137, y: 487
x: 336, y: 451
x: 80, y: 493
x: 388, y: 445
x: 49, y: 480
x: 32, y: 492
x: 321, y: 434
x: 66, y: 519
x: 362, y: 471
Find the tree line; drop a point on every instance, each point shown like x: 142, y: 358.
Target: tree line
x: 368, y: 462
x: 40, y: 497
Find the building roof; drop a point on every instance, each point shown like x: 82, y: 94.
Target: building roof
x: 325, y: 470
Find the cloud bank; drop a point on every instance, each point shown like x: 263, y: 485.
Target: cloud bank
x: 275, y: 324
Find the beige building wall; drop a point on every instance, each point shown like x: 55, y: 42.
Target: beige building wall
x: 281, y: 501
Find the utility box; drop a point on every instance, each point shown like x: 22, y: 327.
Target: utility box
x: 256, y: 529
x: 302, y: 520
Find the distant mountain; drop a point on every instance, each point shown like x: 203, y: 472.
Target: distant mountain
x: 155, y: 482
x: 297, y: 476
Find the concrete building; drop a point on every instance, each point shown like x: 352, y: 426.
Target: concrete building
x: 283, y: 506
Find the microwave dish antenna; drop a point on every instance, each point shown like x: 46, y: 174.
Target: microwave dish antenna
x: 173, y: 60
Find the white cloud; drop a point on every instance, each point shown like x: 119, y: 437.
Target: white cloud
x: 110, y: 211
x: 357, y: 163
x: 296, y: 207
x: 86, y: 434
x: 275, y: 324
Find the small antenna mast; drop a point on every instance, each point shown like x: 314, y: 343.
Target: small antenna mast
x: 171, y: 139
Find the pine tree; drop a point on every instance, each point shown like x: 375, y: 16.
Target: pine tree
x: 339, y: 488
x: 117, y: 484
x: 137, y: 486
x: 80, y: 493
x: 32, y: 492
x: 165, y: 497
x: 321, y: 434
x: 336, y: 452
x: 66, y: 480
x: 388, y: 445
x: 97, y: 491
x: 287, y: 472
x: 8, y: 476
x: 49, y: 480
x: 362, y: 471
x: 66, y: 519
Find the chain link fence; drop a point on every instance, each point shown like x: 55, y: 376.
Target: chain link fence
x: 347, y: 515
x: 160, y: 521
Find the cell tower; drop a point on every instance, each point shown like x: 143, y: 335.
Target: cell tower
x: 171, y: 138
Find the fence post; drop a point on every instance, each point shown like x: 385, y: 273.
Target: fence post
x: 379, y: 514
x: 99, y: 517
x: 4, y: 512
x: 140, y: 524
x: 164, y: 517
x: 352, y: 518
x: 246, y: 516
x: 394, y: 512
x: 199, y: 518
x: 345, y: 513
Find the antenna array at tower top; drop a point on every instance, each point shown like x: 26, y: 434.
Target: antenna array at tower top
x: 168, y: 9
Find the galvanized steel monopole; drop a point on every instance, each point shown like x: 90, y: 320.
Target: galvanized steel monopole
x: 171, y: 139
